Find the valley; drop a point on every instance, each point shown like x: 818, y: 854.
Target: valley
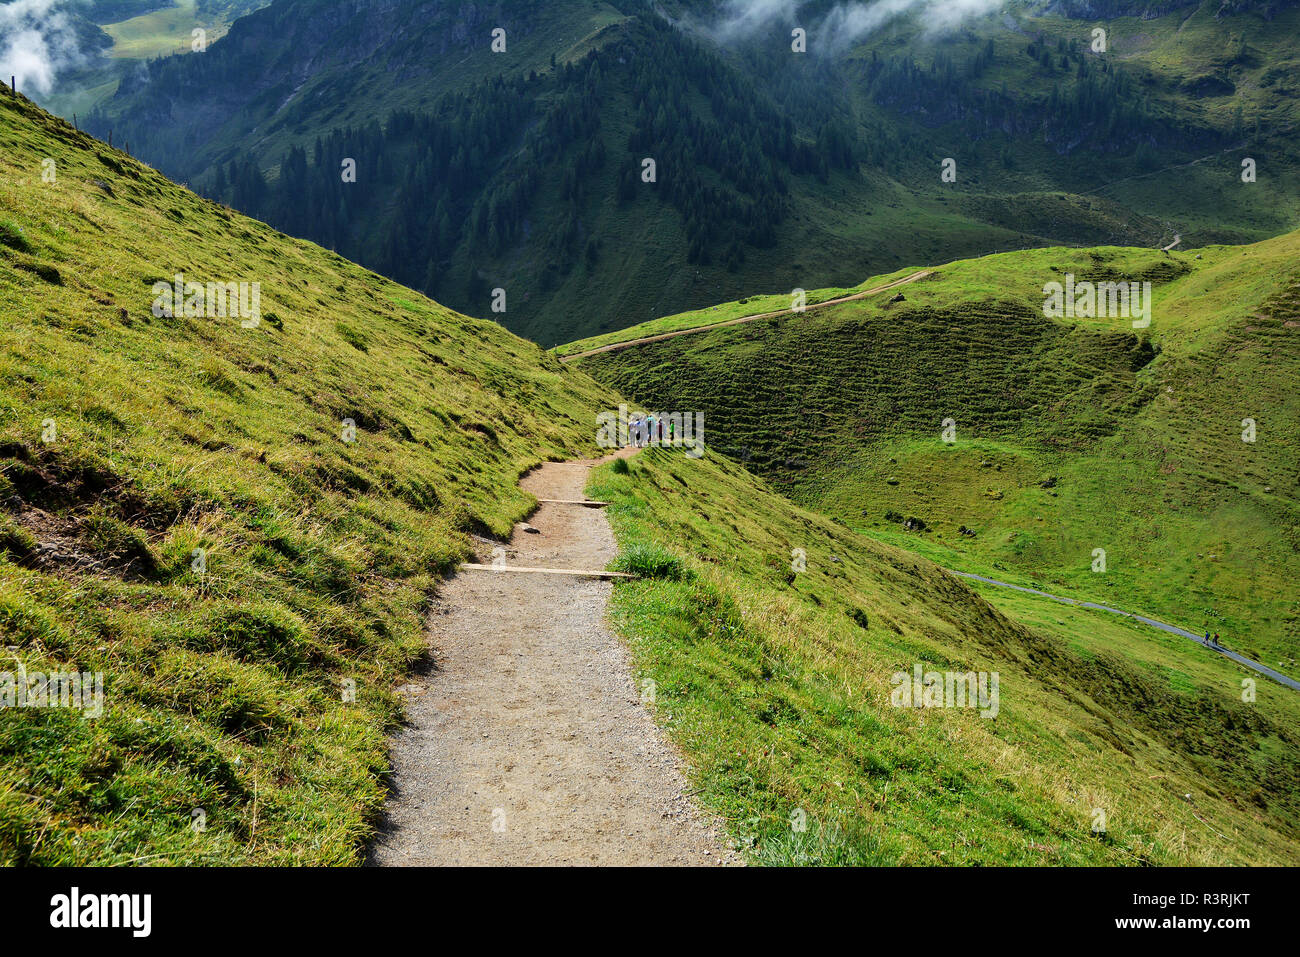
x: 776, y: 170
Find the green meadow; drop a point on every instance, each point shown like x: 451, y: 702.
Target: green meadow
x: 1109, y: 746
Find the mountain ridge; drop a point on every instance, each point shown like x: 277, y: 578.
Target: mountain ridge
x: 797, y: 168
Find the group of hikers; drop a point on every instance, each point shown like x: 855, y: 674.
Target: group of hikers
x: 1213, y: 641
x: 683, y: 430
x: 643, y: 430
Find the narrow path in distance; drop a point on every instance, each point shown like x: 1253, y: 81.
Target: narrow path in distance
x: 616, y: 346
x: 1173, y: 629
x: 528, y: 743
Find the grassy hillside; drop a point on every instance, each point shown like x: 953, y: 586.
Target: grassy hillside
x: 777, y: 684
x: 128, y: 441
x: 746, y: 308
x: 1069, y: 436
x: 167, y: 28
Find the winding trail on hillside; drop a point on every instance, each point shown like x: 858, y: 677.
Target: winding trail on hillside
x: 528, y: 743
x: 616, y: 346
x: 1173, y: 629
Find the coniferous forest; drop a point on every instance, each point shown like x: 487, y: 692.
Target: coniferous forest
x: 537, y: 180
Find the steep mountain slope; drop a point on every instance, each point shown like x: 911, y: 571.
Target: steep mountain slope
x: 961, y: 423
x: 239, y: 526
x: 282, y: 77
x: 521, y: 171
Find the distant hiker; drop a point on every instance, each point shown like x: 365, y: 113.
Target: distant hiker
x: 1207, y: 637
x: 634, y: 430
x: 672, y: 431
x: 650, y: 429
x: 1216, y: 639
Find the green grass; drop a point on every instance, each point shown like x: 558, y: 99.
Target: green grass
x: 776, y: 684
x: 162, y: 32
x: 224, y: 691
x: 650, y: 561
x: 723, y: 312
x: 1069, y: 435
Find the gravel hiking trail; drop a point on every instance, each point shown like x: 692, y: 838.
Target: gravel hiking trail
x: 528, y: 743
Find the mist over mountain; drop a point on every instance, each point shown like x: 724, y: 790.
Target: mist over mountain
x: 39, y: 39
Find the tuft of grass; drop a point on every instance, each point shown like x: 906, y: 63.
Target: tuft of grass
x: 116, y: 541
x: 648, y: 560
x: 19, y: 543
x: 804, y: 843
x: 11, y: 235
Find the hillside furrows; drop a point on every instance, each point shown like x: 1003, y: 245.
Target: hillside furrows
x: 787, y: 393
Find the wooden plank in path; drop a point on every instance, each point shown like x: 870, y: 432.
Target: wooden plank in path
x: 545, y: 571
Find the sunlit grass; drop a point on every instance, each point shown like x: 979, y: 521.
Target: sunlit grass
x: 199, y: 529
x: 776, y: 683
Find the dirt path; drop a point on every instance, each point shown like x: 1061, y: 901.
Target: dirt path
x: 528, y: 744
x: 616, y: 346
x: 1154, y: 623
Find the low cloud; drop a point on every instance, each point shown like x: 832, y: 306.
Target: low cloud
x: 845, y: 23
x: 740, y: 19
x: 37, y: 41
